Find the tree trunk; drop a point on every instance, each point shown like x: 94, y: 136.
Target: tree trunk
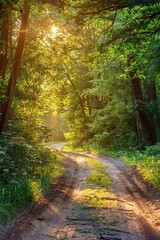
x: 81, y: 103
x: 137, y: 91
x: 154, y: 117
x: 4, y: 41
x: 89, y: 106
x: 137, y: 130
x: 6, y: 107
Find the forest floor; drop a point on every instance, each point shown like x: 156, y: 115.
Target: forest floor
x: 63, y: 212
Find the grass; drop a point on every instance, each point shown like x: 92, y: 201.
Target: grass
x: 148, y: 166
x: 68, y: 147
x: 98, y: 198
x: 146, y: 161
x: 19, y: 190
x: 97, y: 201
x: 99, y: 177
x: 98, y: 193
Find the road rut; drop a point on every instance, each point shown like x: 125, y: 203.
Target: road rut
x: 136, y: 217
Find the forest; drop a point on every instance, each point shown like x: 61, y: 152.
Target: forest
x: 80, y: 71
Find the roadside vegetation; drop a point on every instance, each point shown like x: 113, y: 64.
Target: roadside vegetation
x: 147, y: 161
x: 86, y: 70
x: 25, y: 172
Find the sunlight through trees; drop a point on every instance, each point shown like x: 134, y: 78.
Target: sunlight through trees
x: 87, y: 71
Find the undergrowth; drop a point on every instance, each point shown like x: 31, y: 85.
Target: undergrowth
x: 25, y: 172
x: 146, y: 161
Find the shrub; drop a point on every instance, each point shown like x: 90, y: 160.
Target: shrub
x: 19, y: 158
x: 25, y: 171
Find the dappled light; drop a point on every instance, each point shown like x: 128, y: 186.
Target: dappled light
x: 89, y: 210
x: 54, y: 31
x: 84, y: 74
x: 98, y: 198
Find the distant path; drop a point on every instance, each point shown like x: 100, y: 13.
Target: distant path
x: 137, y: 216
x: 58, y: 146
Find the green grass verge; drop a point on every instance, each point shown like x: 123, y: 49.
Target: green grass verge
x: 147, y: 161
x: 147, y: 165
x: 20, y: 189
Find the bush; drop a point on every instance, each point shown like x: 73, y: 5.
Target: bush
x: 25, y: 171
x: 147, y: 162
x: 19, y: 158
x: 153, y: 150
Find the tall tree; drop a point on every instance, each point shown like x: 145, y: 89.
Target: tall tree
x: 6, y: 106
x: 129, y: 25
x: 4, y: 37
x: 138, y: 96
x: 15, y: 64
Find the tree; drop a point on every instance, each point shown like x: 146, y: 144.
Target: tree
x: 6, y: 106
x: 130, y: 26
x: 138, y: 96
x: 15, y: 63
x: 4, y: 38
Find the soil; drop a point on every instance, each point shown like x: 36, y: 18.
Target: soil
x: 60, y: 213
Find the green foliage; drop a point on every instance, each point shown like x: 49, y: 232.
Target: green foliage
x: 19, y: 158
x: 146, y: 161
x: 2, y: 90
x: 76, y: 133
x: 81, y: 73
x: 153, y: 150
x: 25, y: 172
x: 148, y: 165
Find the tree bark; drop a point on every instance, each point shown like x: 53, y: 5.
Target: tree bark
x: 137, y: 130
x: 137, y: 91
x: 6, y: 107
x: 4, y: 40
x: 151, y: 97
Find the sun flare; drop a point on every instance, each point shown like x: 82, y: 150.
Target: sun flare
x: 54, y: 31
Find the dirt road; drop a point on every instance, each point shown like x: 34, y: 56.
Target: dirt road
x: 63, y: 213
